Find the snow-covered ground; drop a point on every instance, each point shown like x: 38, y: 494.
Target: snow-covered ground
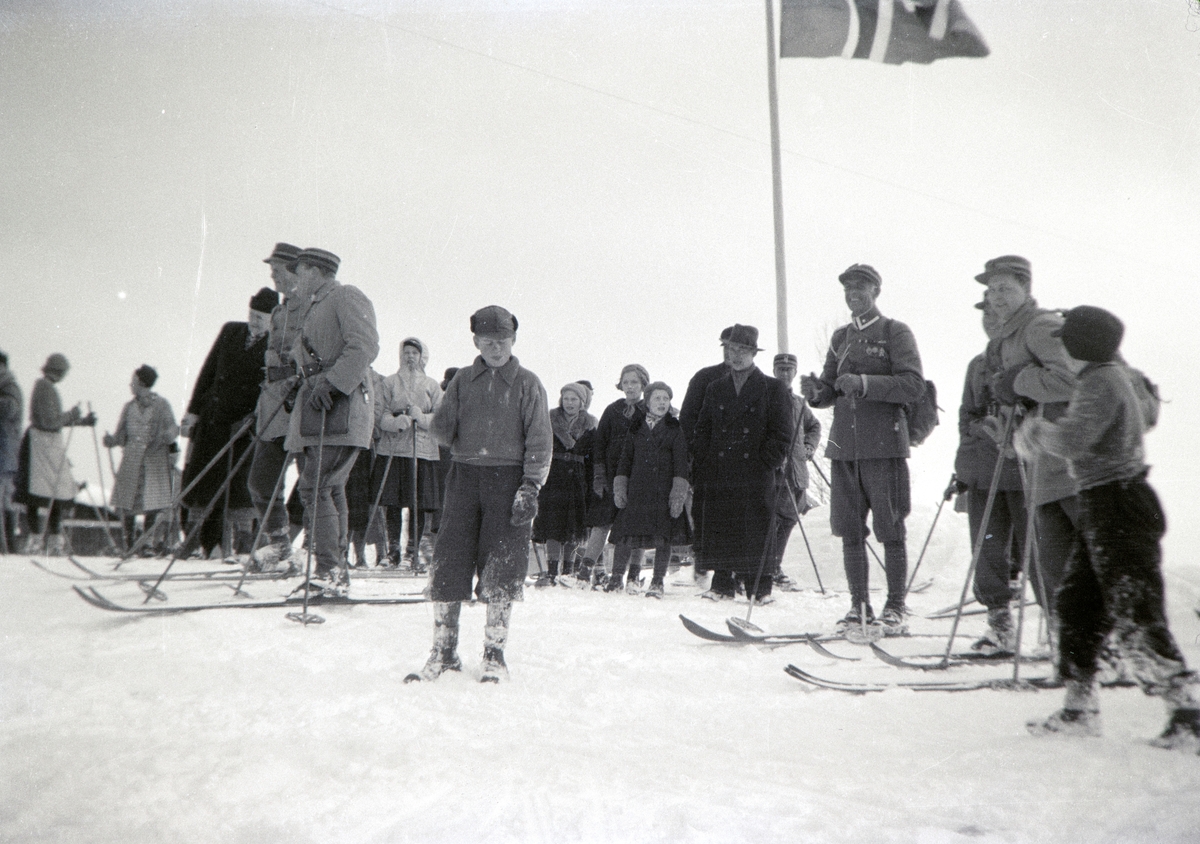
x: 616, y: 725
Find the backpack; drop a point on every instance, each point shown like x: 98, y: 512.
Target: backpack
x: 922, y: 415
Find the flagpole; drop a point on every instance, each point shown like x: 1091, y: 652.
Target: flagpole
x: 777, y: 188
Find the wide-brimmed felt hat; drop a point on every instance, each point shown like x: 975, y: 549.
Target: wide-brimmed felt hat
x: 742, y: 335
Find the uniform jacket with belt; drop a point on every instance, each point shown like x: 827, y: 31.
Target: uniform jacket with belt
x: 873, y: 425
x: 339, y: 334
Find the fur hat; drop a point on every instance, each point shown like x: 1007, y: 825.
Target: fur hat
x: 494, y: 320
x: 146, y: 374
x: 1090, y: 333
x: 642, y: 373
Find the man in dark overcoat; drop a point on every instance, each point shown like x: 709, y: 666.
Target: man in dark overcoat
x: 872, y: 370
x: 225, y: 393
x: 689, y: 414
x: 742, y: 437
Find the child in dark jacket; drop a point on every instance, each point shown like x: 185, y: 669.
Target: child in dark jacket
x: 650, y: 490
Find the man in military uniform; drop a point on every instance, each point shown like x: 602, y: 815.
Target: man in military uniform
x: 872, y: 370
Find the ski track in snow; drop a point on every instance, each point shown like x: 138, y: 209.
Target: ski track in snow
x: 616, y: 726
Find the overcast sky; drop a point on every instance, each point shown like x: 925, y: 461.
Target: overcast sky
x: 600, y: 168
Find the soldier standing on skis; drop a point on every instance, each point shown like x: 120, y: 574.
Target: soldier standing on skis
x: 871, y: 372
x: 1031, y: 374
x: 1113, y: 579
x: 495, y: 418
x: 981, y: 422
x: 276, y: 394
x: 334, y: 415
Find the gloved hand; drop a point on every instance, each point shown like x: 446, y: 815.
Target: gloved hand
x: 809, y: 386
x: 88, y: 421
x: 73, y: 415
x: 809, y: 451
x: 956, y: 487
x: 1027, y: 439
x: 188, y: 424
x: 678, y: 497
x: 109, y: 440
x: 1003, y: 386
x: 403, y: 422
x: 599, y: 482
x: 525, y: 504
x: 850, y: 385
x: 621, y: 491
x: 322, y: 393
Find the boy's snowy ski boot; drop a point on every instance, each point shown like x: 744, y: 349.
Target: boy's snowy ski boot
x: 1182, y: 732
x: 656, y: 588
x: 495, y: 637
x: 444, y: 654
x: 1080, y: 715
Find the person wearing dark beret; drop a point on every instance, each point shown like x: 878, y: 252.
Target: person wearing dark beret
x: 1112, y: 588
x: 224, y: 396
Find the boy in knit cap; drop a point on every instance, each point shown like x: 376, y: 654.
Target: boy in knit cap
x: 1112, y: 583
x: 495, y: 418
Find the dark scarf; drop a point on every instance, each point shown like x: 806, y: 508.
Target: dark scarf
x: 569, y: 431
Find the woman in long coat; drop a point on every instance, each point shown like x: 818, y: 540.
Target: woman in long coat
x: 563, y: 498
x: 225, y: 394
x: 404, y: 410
x: 650, y: 490
x: 146, y: 432
x: 607, y: 444
x: 44, y: 472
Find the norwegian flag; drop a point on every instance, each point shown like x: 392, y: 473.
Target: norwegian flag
x: 887, y: 31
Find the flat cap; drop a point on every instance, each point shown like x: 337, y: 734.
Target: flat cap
x: 495, y: 320
x: 1014, y: 265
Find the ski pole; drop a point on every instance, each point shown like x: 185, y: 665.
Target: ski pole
x: 412, y: 510
x: 804, y: 535
x: 387, y: 467
x: 191, y: 534
x: 176, y: 499
x: 103, y: 492
x: 304, y: 617
x: 981, y: 536
x: 866, y: 541
x: 1030, y: 557
x: 912, y: 577
x: 237, y: 590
